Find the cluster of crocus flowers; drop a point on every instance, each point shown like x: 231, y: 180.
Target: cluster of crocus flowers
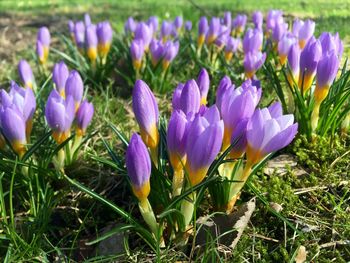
x: 65, y: 108
x: 93, y: 40
x: 162, y: 47
x: 43, y: 44
x: 17, y: 109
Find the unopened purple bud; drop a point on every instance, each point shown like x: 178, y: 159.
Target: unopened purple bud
x: 25, y: 73
x: 153, y: 23
x: 143, y: 33
x: 327, y: 69
x: 75, y: 87
x: 60, y: 75
x: 130, y: 25
x: 306, y: 32
x: 166, y: 29
x: 258, y: 19
x: 178, y: 22
x: 84, y: 116
x: 294, y: 60
x: 214, y: 30
x: 104, y: 33
x: 87, y: 19
x: 190, y: 97
x: 284, y: 46
x: 157, y: 51
x: 252, y: 62
x: 253, y: 40
x: 137, y: 50
x: 91, y: 38
x: 239, y: 23
x: 203, y: 26
x: 176, y: 101
x: 203, y: 82
x: 232, y: 44
x: 309, y: 58
x: 278, y: 31
x: 227, y: 21
x: 71, y: 26
x: 224, y: 85
x: 79, y: 34
x: 188, y: 25
x: 297, y: 25
x: 170, y: 50
x: 44, y: 36
x: 274, y: 17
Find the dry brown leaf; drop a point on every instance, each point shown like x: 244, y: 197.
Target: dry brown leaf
x: 301, y: 257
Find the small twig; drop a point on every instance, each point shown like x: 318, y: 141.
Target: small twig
x: 264, y: 237
x: 337, y: 159
x: 335, y: 243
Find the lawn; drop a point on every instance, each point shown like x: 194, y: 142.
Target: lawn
x: 69, y: 199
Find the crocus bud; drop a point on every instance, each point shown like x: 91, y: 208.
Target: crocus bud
x: 104, y: 35
x: 202, y: 30
x: 176, y: 139
x: 157, y: 51
x: 137, y: 51
x: 213, y: 30
x: 143, y: 33
x: 253, y: 40
x: 75, y: 88
x: 309, y: 58
x: 273, y: 18
x: 258, y: 19
x: 84, y: 116
x: 170, y: 51
x: 71, y: 27
x: 87, y: 19
x: 60, y: 75
x: 14, y: 129
x: 91, y: 42
x: 223, y: 35
x: 328, y: 43
x: 178, y: 22
x: 138, y: 165
x: 231, y: 47
x: 227, y: 21
x: 188, y: 25
x: 26, y: 74
x: 284, y: 46
x: 238, y: 24
x: 44, y: 38
x: 294, y: 63
x: 146, y: 113
x: 165, y: 30
x: 177, y: 97
x: 225, y: 84
x: 153, y: 24
x: 278, y: 31
x: 203, y: 145
x: 40, y: 52
x: 327, y: 69
x: 238, y: 104
x: 252, y: 62
x: 339, y: 45
x: 297, y: 25
x: 306, y: 32
x: 203, y: 82
x: 59, y: 115
x: 79, y: 35
x: 190, y: 97
x: 267, y: 133
x: 130, y: 25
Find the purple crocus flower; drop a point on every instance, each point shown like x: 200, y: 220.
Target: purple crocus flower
x: 268, y: 131
x: 190, y: 97
x: 188, y: 25
x: 74, y: 88
x: 79, y: 34
x: 258, y: 19
x: 224, y: 85
x: 130, y: 25
x: 252, y: 62
x: 213, y: 30
x: 273, y: 18
x: 143, y: 32
x: 60, y: 75
x: 177, y: 97
x: 227, y: 21
x: 26, y: 74
x: 87, y: 19
x: 170, y: 51
x: 309, y: 58
x: 84, y: 116
x: 138, y: 165
x: 203, y: 83
x: 294, y: 63
x: 253, y: 40
x: 104, y: 35
x: 327, y: 69
x: 153, y: 24
x: 204, y: 141
x: 176, y: 139
x: 331, y: 44
x: 59, y: 114
x: 71, y: 27
x: 339, y: 45
x: 238, y: 24
x: 202, y: 30
x: 284, y: 46
x: 14, y: 129
x: 231, y: 47
x: 44, y: 37
x: 237, y: 105
x: 157, y: 51
x: 297, y: 25
x: 137, y: 51
x: 91, y: 42
x: 178, y: 22
x: 223, y: 35
x: 306, y: 32
x: 278, y: 31
x: 146, y: 113
x: 165, y: 30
